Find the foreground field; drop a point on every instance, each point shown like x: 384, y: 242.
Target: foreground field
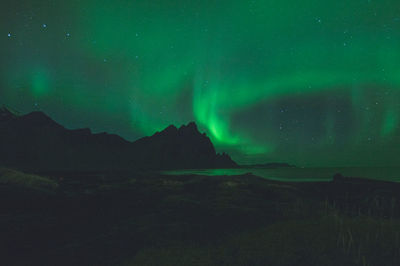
x: 149, y: 219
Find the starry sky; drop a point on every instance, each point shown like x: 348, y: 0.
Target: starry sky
x: 313, y: 83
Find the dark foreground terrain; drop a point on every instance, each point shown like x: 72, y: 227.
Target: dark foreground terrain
x: 150, y: 219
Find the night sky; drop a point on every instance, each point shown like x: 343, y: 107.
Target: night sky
x: 313, y: 83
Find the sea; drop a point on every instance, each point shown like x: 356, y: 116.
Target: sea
x: 300, y: 174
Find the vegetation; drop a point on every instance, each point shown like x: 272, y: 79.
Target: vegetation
x: 16, y: 178
x: 329, y: 240
x: 148, y: 219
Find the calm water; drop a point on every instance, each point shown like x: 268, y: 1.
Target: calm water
x: 302, y: 174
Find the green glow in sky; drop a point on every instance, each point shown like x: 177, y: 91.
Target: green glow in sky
x: 309, y: 82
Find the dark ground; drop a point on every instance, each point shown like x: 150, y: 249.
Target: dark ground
x: 150, y: 219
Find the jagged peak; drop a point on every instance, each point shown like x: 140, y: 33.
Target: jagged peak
x: 5, y: 109
x: 39, y: 118
x: 38, y: 114
x: 171, y: 129
x: 190, y: 127
x: 7, y: 114
x: 192, y: 124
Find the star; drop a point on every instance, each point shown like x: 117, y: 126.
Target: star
x: 9, y: 35
x: 68, y: 34
x: 44, y: 25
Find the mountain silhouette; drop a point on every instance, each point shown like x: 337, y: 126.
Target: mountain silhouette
x: 185, y: 147
x: 6, y: 114
x: 36, y: 142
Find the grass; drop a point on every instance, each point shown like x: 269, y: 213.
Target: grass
x: 330, y: 240
x: 11, y: 177
x: 197, y: 220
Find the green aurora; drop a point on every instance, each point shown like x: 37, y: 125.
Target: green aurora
x: 314, y: 83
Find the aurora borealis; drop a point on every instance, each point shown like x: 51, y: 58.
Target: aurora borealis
x: 314, y: 83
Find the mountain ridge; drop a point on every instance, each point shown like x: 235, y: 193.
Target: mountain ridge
x: 34, y: 141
